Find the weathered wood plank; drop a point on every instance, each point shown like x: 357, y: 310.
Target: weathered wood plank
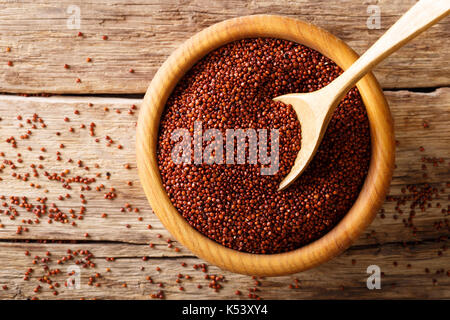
x: 344, y: 277
x: 409, y: 110
x: 141, y: 34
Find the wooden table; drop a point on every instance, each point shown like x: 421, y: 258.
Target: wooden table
x: 139, y: 36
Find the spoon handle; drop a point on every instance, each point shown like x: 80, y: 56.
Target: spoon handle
x: 420, y: 17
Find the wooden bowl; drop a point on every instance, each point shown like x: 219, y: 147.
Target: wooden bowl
x: 355, y: 221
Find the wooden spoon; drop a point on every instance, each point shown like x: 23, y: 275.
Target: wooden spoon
x: 314, y: 110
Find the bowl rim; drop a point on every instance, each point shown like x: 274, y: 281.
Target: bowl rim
x: 375, y: 186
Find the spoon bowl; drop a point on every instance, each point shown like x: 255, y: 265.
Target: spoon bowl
x: 310, y: 117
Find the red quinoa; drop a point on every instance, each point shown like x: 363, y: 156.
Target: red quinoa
x: 232, y: 87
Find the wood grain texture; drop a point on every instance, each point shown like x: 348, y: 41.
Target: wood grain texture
x: 142, y: 34
x: 344, y: 277
x: 380, y: 244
